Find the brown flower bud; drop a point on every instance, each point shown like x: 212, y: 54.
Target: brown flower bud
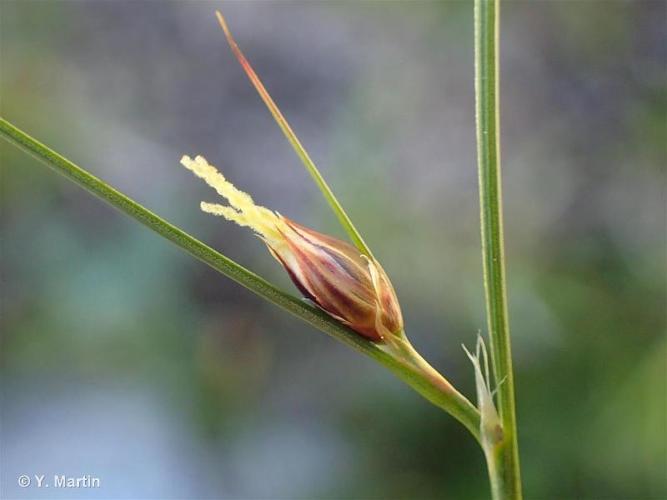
x: 351, y: 287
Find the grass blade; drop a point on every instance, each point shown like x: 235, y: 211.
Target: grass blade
x: 335, y: 205
x: 429, y: 385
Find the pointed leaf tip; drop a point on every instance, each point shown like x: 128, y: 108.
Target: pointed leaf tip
x: 301, y: 152
x: 223, y: 23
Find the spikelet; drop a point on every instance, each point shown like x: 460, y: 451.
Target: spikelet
x: 349, y: 286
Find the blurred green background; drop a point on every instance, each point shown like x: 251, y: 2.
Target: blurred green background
x: 124, y: 358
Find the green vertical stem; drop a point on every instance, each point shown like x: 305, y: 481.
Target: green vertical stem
x: 502, y: 454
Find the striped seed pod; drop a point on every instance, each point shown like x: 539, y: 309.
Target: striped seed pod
x: 350, y: 287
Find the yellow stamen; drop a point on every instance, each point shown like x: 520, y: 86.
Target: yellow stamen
x: 243, y: 210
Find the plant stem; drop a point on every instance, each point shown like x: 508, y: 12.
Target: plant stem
x: 429, y: 383
x: 503, y: 459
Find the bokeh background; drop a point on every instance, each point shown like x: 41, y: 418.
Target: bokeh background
x: 124, y: 358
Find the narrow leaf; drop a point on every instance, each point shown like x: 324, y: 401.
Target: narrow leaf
x: 342, y: 216
x: 451, y: 401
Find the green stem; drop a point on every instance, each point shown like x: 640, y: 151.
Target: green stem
x: 503, y: 459
x: 433, y: 387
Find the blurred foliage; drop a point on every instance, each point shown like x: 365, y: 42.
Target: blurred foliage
x: 105, y: 326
